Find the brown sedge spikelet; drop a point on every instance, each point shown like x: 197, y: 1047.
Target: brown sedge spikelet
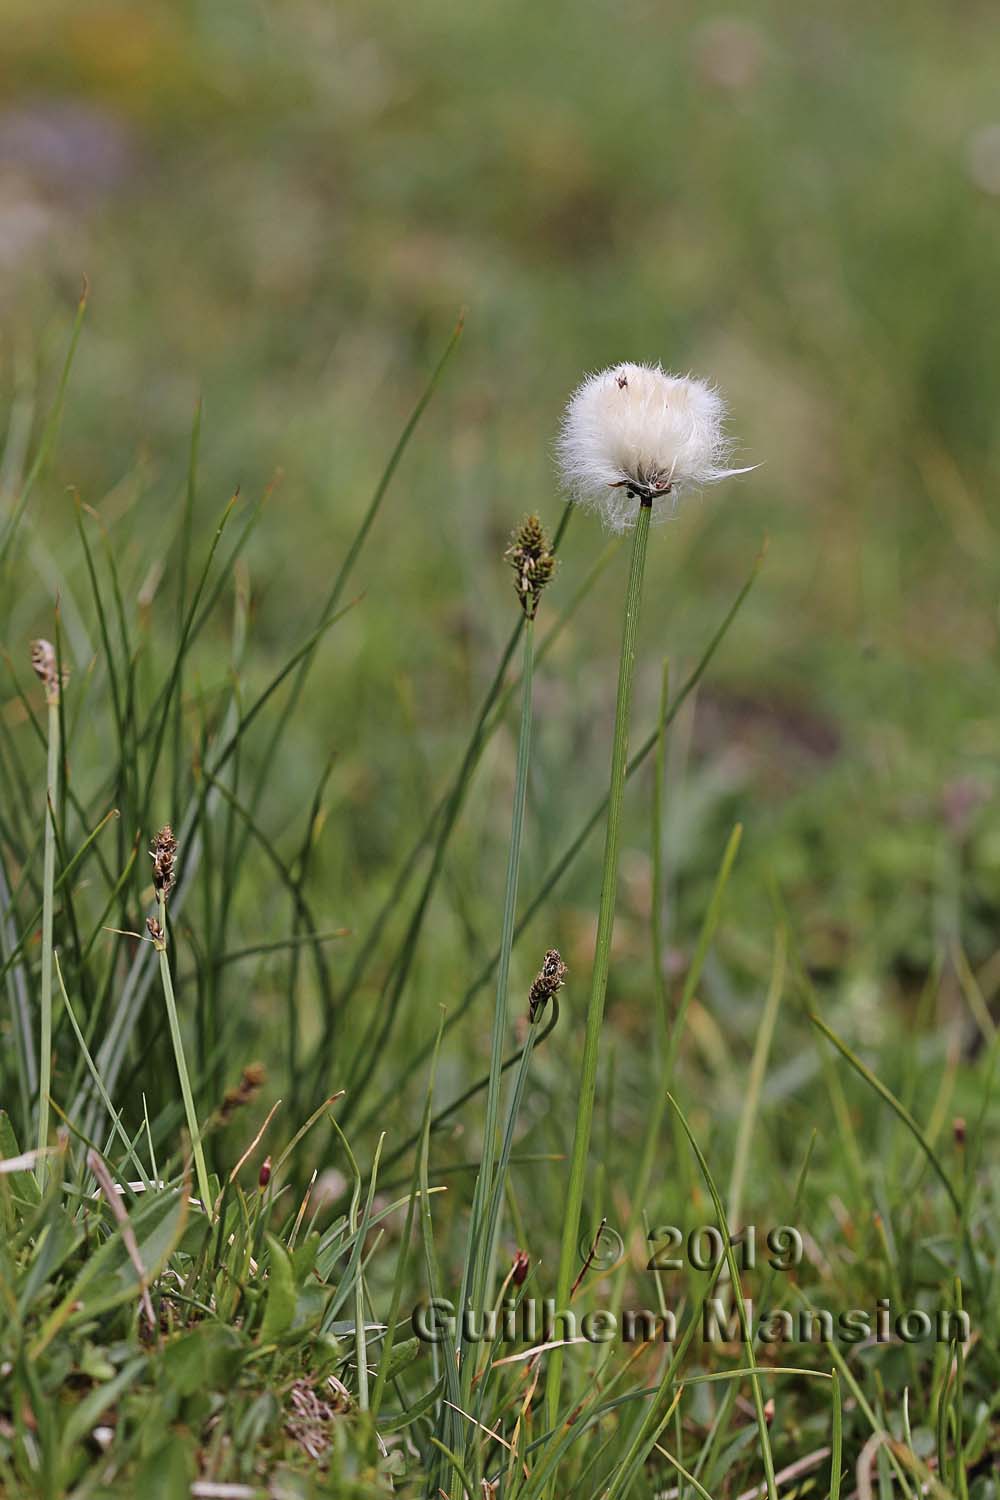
x: 163, y: 854
x: 548, y: 982
x: 251, y: 1082
x: 45, y: 665
x: 533, y: 563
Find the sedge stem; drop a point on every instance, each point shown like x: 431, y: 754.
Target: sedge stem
x: 48, y: 899
x: 498, y: 1039
x: 568, y: 1250
x: 194, y: 1130
x: 482, y: 1230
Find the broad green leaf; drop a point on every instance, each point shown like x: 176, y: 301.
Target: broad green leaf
x: 168, y: 1473
x: 207, y: 1358
x: 304, y: 1257
x: 280, y: 1308
x: 403, y: 1356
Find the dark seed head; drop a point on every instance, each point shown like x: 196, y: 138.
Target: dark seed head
x: 251, y: 1082
x: 45, y: 665
x: 533, y: 563
x: 548, y: 982
x: 163, y: 853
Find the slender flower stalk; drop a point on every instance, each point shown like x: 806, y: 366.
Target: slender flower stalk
x: 545, y: 988
x: 660, y: 1031
x: 602, y: 955
x: 164, y: 853
x: 500, y: 1016
x: 542, y: 995
x: 533, y: 564
x: 45, y: 663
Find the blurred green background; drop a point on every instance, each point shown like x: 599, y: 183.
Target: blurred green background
x: 281, y: 208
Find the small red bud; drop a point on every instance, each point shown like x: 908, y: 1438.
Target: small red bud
x: 958, y: 1127
x: 522, y: 1266
x: 265, y: 1173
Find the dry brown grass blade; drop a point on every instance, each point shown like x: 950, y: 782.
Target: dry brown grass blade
x: 117, y: 1207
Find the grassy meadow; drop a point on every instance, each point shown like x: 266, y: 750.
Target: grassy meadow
x: 292, y: 297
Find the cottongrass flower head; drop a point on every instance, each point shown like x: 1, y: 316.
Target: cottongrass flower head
x: 634, y: 435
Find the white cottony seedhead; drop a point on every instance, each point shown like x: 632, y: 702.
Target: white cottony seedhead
x: 634, y: 432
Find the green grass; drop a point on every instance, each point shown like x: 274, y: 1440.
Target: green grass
x: 320, y: 685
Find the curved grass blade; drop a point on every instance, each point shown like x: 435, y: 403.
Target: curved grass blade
x: 765, y: 1441
x: 469, y: 1093
x: 111, y: 1055
x: 183, y: 565
x: 49, y: 432
x: 384, y: 1014
x: 68, y: 868
x: 299, y: 900
x: 113, y: 1114
x: 692, y: 979
x: 755, y: 1080
x: 354, y: 550
x: 178, y: 662
x: 558, y: 870
x: 490, y: 718
x: 894, y: 1104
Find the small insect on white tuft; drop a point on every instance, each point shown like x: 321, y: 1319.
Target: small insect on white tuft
x: 633, y: 435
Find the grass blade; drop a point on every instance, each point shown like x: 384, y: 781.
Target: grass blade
x: 755, y: 1081
x: 894, y: 1104
x: 50, y: 431
x: 480, y: 1239
x: 758, y: 1400
x: 558, y: 870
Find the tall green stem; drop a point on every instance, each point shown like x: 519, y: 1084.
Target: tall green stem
x: 602, y: 956
x: 48, y: 897
x: 482, y: 1227
x: 194, y: 1130
x: 498, y: 1040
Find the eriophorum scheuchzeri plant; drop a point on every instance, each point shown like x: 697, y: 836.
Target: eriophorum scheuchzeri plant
x: 634, y: 439
x: 268, y: 1343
